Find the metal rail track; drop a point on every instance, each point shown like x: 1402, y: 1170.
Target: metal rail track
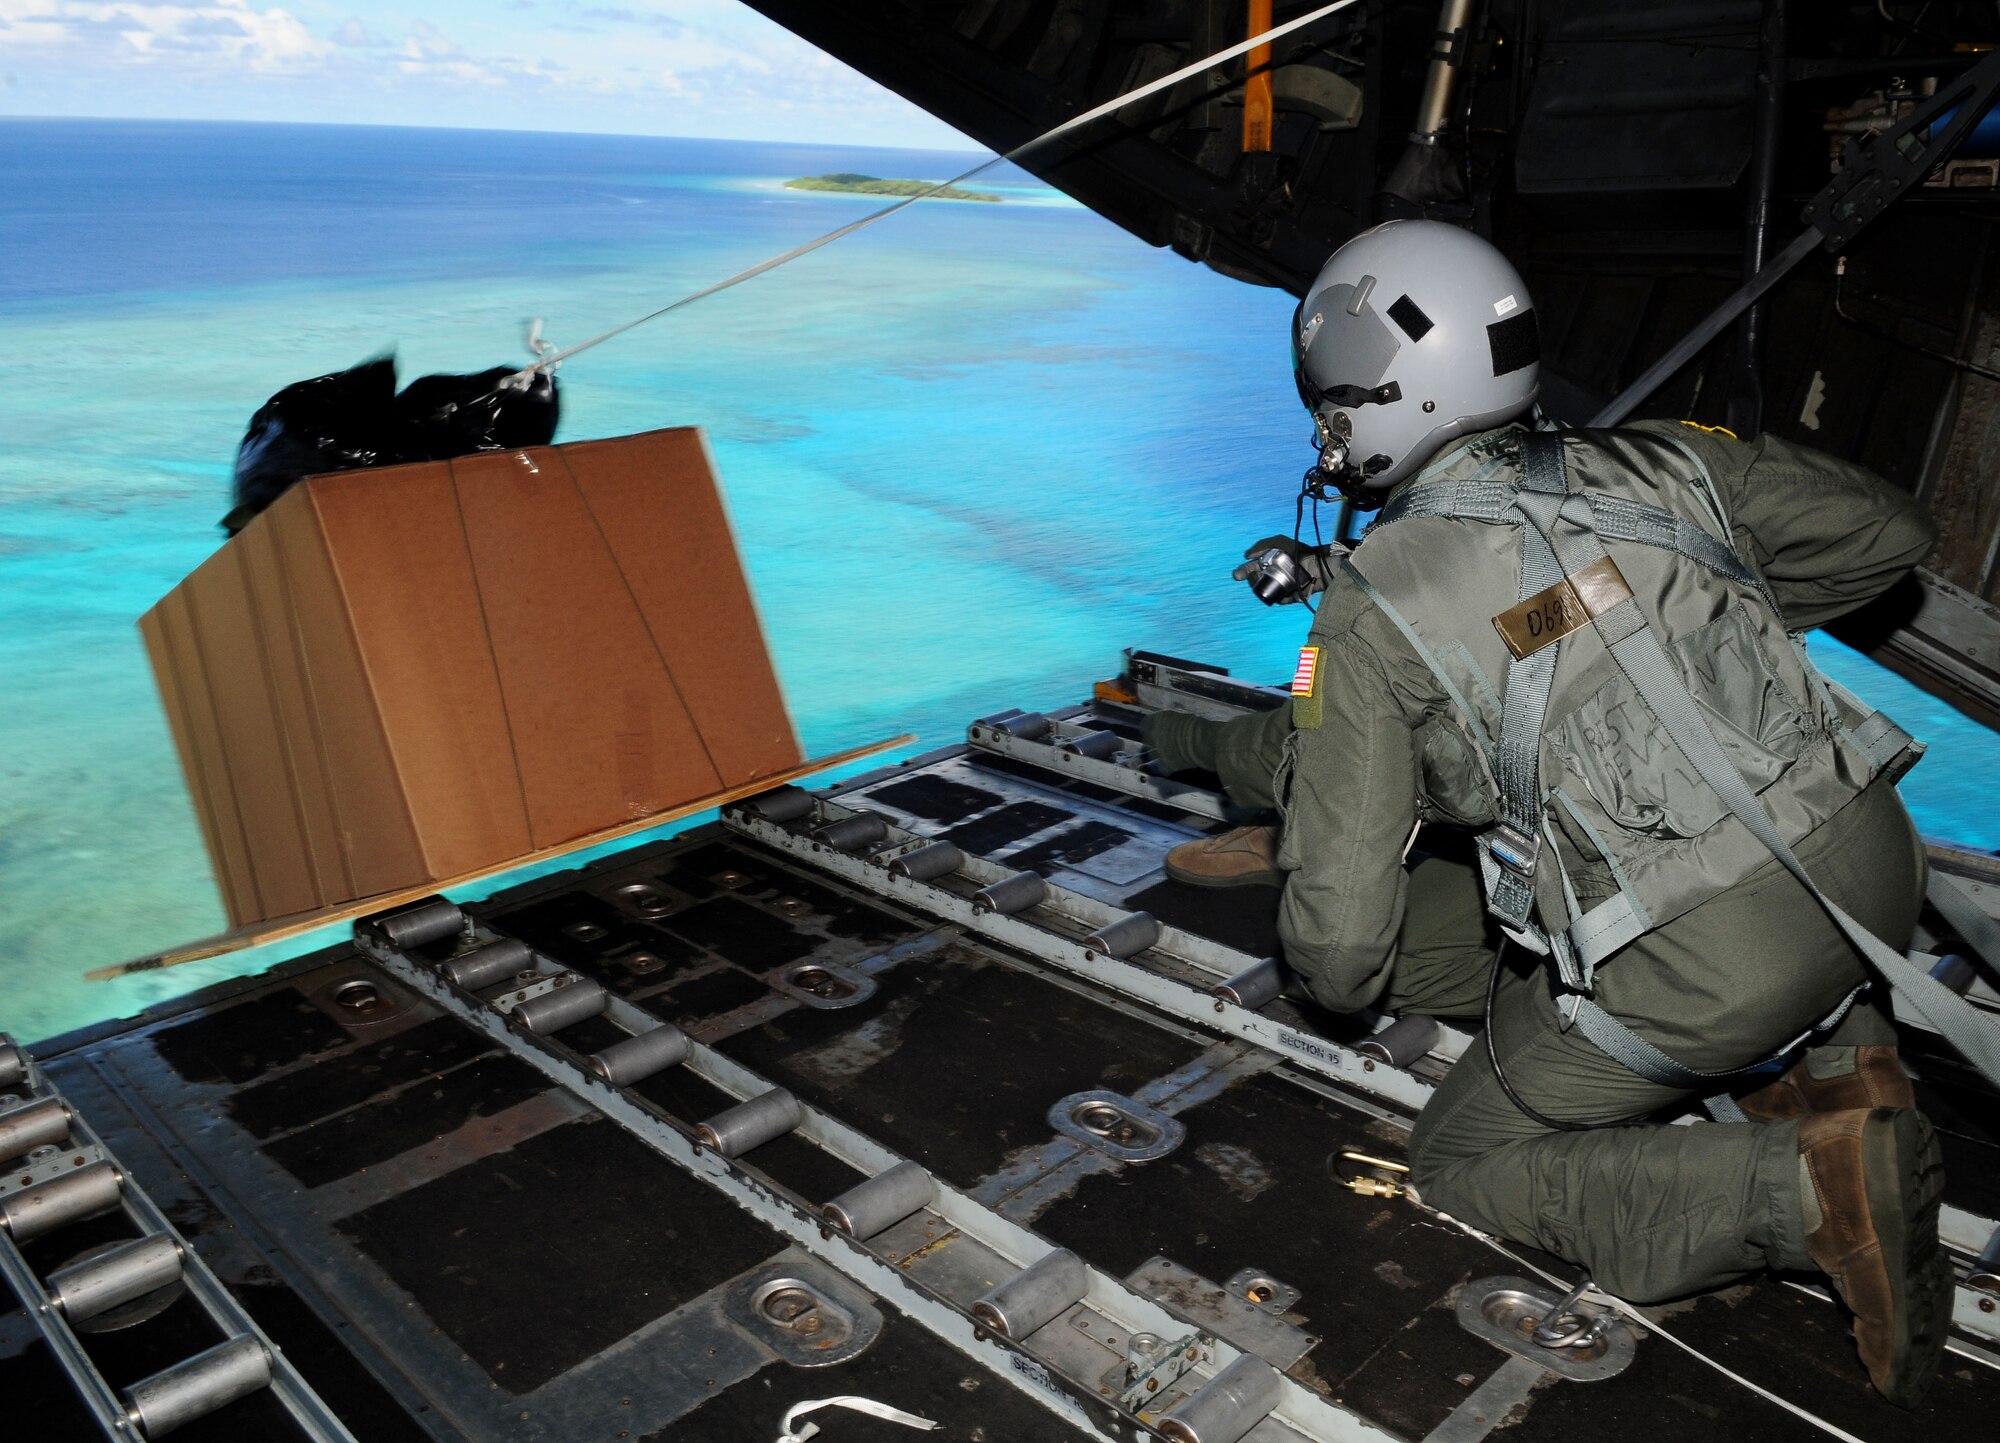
x: 49, y: 1187
x: 1179, y: 973
x: 955, y: 1301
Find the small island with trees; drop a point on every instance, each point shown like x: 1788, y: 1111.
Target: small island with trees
x: 849, y: 183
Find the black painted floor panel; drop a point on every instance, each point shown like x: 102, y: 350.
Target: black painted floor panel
x: 535, y: 1259
x: 956, y: 1061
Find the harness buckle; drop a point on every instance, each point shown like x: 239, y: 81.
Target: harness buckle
x: 1515, y: 850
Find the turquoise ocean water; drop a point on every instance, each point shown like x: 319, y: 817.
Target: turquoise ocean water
x: 970, y: 453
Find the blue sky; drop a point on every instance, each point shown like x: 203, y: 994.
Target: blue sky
x: 670, y: 67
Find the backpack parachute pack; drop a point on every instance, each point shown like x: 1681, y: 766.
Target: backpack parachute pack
x: 1573, y: 761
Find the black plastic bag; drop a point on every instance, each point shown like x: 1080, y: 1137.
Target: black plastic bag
x: 354, y: 418
x: 330, y: 423
x: 439, y: 417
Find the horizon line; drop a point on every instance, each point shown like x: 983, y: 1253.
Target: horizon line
x: 489, y: 130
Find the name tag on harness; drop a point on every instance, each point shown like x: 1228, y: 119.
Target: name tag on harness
x: 1554, y: 612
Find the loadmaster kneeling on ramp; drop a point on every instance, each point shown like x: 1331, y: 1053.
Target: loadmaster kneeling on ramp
x: 1581, y: 648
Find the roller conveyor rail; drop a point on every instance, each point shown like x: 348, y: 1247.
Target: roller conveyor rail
x: 1063, y: 743
x: 60, y: 1173
x: 1153, y: 682
x: 1176, y: 971
x: 1192, y: 978
x: 1006, y: 1311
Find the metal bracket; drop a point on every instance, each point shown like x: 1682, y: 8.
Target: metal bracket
x: 49, y: 1162
x: 644, y: 900
x: 520, y: 992
x: 1260, y: 1290
x: 359, y: 1001
x: 1222, y: 1311
x: 1876, y: 169
x: 1152, y: 1365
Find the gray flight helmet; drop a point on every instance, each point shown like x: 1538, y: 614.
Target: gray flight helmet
x: 1413, y: 333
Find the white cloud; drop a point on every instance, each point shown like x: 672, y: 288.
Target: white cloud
x: 694, y: 67
x: 426, y: 43
x: 229, y: 33
x: 355, y: 35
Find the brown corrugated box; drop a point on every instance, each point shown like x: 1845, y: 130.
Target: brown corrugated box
x: 403, y: 675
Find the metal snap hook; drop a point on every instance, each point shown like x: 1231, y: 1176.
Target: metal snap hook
x: 1563, y: 1327
x: 1348, y: 1168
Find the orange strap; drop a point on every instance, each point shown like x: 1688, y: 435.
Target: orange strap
x: 1257, y: 85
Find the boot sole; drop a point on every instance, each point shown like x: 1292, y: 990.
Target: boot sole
x: 1905, y: 1176
x: 1253, y: 879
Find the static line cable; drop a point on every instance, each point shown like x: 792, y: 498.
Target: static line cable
x: 1631, y: 1311
x: 549, y: 359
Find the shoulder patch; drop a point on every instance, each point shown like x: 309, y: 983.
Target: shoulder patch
x: 1305, y: 688
x: 1712, y: 430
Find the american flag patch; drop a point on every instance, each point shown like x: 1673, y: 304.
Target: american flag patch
x: 1306, y: 678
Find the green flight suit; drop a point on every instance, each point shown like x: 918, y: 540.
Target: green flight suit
x: 1653, y: 1211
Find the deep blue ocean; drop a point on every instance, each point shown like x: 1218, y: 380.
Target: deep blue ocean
x: 971, y: 453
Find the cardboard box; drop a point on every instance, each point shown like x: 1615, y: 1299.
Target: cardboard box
x: 402, y: 675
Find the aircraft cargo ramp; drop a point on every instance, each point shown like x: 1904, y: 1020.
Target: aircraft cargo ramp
x: 928, y: 1088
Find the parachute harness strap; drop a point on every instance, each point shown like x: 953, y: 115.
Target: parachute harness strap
x: 1510, y: 852
x: 1636, y: 647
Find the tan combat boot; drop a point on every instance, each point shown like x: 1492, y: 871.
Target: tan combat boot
x: 1877, y: 1080
x: 1876, y: 1177
x: 1245, y: 857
